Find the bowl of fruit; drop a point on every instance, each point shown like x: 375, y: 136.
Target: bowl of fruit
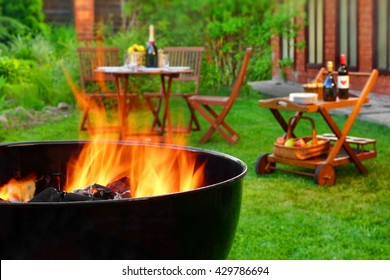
x: 300, y: 148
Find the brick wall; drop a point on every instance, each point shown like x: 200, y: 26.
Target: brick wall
x: 58, y: 11
x: 84, y: 11
x: 365, y: 49
x: 85, y: 14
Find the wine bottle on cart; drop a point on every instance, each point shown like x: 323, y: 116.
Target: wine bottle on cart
x: 343, y: 78
x: 329, y: 91
x: 151, y: 50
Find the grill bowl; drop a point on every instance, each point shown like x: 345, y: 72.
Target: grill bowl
x: 196, y: 224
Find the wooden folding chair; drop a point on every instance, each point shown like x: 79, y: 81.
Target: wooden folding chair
x: 203, y: 104
x: 180, y: 56
x: 96, y: 87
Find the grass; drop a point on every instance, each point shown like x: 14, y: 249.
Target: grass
x: 286, y: 216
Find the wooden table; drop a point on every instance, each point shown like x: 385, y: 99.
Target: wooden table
x: 341, y: 151
x: 122, y: 74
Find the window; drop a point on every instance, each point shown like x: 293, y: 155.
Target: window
x: 348, y: 32
x: 315, y: 32
x: 381, y: 33
x: 287, y: 46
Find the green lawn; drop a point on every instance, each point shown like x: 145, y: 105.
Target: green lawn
x: 286, y: 216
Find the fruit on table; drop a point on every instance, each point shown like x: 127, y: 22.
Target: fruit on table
x: 300, y: 143
x: 319, y: 142
x: 280, y: 140
x: 290, y: 142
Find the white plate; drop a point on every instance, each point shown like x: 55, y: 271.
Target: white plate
x: 303, y: 98
x: 178, y: 68
x: 111, y: 68
x: 150, y: 69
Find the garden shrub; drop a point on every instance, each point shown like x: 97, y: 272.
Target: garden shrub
x: 9, y: 28
x: 24, y: 94
x: 3, y: 81
x: 28, y: 13
x: 32, y: 71
x: 15, y: 70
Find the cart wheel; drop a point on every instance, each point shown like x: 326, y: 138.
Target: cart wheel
x: 324, y: 174
x: 263, y: 166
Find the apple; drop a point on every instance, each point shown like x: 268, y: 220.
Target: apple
x: 300, y: 143
x: 290, y: 142
x: 309, y: 143
x: 280, y: 140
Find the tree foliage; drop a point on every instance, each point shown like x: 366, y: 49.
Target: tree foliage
x: 10, y: 28
x: 27, y: 12
x: 225, y: 28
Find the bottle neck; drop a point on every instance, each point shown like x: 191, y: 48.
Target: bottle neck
x: 343, y: 60
x: 329, y: 66
x: 151, y: 34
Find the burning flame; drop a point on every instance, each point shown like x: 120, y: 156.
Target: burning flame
x: 18, y: 190
x: 151, y: 170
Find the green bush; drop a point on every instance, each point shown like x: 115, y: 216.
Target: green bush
x: 9, y: 28
x: 28, y: 13
x: 3, y: 81
x: 18, y: 88
x: 23, y: 94
x: 33, y: 70
x: 15, y: 70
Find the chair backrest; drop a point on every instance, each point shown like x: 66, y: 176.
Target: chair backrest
x: 187, y: 56
x: 92, y: 57
x: 240, y: 79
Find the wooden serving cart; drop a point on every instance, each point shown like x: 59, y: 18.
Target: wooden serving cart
x: 344, y: 148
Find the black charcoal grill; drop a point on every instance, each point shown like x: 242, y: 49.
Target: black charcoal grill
x: 196, y: 224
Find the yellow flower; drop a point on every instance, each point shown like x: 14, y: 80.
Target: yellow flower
x: 136, y: 48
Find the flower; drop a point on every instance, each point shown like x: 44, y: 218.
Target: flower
x: 136, y: 48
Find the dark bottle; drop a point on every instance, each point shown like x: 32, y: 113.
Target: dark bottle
x: 151, y: 50
x: 329, y: 92
x: 343, y: 78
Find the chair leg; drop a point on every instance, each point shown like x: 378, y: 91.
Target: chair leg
x: 232, y: 133
x: 85, y: 117
x: 194, y: 124
x: 207, y: 135
x: 83, y: 121
x: 98, y: 103
x: 155, y: 109
x: 217, y: 124
x: 229, y: 134
x: 231, y: 137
